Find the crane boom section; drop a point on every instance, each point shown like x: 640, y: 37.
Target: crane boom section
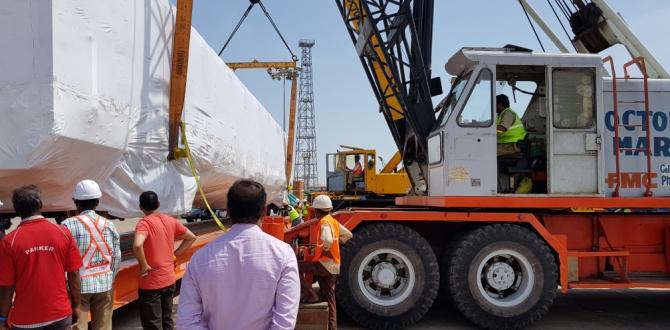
x: 393, y: 41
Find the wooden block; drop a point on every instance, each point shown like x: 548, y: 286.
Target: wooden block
x: 313, y: 317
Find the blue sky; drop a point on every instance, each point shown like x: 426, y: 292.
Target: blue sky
x: 346, y: 111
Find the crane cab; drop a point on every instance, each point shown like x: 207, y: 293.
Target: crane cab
x: 558, y: 97
x: 344, y: 181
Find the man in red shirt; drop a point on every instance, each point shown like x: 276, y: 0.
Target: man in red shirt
x: 34, y: 259
x: 154, y: 241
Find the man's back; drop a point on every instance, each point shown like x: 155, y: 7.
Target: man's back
x: 161, y: 231
x: 102, y: 281
x: 246, y: 279
x: 34, y: 259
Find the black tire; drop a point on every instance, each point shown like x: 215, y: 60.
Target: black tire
x: 190, y: 220
x: 488, y: 261
x: 443, y: 294
x: 401, y: 255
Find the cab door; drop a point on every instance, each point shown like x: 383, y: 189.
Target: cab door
x: 574, y: 135
x: 467, y: 166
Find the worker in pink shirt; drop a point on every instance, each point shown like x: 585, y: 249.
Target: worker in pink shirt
x: 154, y: 241
x: 246, y: 279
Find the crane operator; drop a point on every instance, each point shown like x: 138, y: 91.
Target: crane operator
x: 508, y: 126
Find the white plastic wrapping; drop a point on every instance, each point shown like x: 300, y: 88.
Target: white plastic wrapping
x: 84, y: 94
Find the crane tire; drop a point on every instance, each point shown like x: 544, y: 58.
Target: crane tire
x: 389, y: 276
x: 502, y: 276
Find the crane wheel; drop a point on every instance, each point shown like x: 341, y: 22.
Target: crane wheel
x: 389, y: 276
x: 501, y: 276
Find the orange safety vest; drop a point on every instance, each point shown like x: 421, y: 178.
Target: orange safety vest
x: 97, y: 243
x: 358, y: 169
x: 331, y: 257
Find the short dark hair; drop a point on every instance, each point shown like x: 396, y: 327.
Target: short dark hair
x: 246, y: 201
x: 27, y: 200
x: 503, y: 100
x: 149, y: 200
x: 86, y: 204
x: 357, y: 156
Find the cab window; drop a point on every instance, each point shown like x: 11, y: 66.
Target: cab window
x: 573, y: 98
x: 478, y: 109
x: 449, y: 103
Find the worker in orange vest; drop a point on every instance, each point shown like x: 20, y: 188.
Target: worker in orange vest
x: 358, y: 168
x: 327, y: 252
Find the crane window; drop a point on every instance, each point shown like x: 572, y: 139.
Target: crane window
x: 478, y: 110
x: 573, y: 98
x: 435, y: 149
x: 449, y: 103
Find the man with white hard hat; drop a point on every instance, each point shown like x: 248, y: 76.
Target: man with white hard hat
x: 327, y: 252
x: 99, y: 244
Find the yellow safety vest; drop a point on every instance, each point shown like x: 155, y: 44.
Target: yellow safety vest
x: 293, y: 213
x: 515, y: 133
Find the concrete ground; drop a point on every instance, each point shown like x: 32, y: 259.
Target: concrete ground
x: 585, y: 309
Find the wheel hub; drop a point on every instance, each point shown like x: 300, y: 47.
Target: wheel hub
x: 384, y: 275
x: 505, y: 278
x: 500, y: 276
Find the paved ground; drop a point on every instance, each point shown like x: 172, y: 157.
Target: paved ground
x: 587, y: 309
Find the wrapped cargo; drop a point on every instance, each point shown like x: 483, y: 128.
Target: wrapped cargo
x: 84, y: 94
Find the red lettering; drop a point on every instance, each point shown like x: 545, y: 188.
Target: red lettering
x: 630, y: 180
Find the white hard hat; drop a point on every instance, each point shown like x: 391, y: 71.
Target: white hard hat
x: 322, y: 202
x: 86, y: 189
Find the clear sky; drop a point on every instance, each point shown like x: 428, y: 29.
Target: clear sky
x: 346, y: 111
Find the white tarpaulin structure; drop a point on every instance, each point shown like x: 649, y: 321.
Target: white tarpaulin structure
x: 84, y: 94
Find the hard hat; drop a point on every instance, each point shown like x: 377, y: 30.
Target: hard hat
x: 86, y: 189
x: 322, y: 202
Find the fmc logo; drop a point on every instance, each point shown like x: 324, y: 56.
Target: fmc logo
x: 631, y: 180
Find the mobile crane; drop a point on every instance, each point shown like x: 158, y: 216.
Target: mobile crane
x: 501, y: 258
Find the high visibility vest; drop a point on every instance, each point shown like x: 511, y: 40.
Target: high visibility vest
x: 329, y: 259
x: 293, y: 214
x: 514, y: 133
x: 358, y: 169
x: 97, y: 243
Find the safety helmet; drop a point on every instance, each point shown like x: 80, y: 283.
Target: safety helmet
x: 322, y: 202
x: 86, y: 189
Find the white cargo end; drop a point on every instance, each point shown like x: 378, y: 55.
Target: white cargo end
x: 84, y: 94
